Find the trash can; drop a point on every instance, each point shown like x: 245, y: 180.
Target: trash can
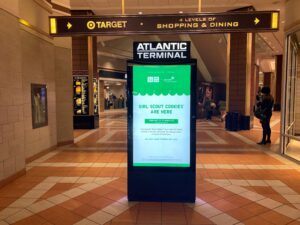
x: 228, y: 125
x: 235, y: 121
x: 245, y: 123
x: 232, y: 121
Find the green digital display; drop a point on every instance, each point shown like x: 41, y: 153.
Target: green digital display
x: 161, y: 115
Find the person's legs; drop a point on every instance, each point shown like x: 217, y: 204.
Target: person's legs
x: 268, y: 130
x: 207, y: 114
x: 210, y: 114
x: 264, y: 136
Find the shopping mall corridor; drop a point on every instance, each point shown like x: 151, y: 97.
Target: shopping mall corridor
x: 238, y: 182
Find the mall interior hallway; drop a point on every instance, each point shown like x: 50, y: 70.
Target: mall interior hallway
x: 238, y: 182
x: 211, y: 135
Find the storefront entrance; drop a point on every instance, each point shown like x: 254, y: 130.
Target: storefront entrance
x: 291, y: 109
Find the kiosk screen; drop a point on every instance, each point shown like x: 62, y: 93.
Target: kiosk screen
x: 161, y: 115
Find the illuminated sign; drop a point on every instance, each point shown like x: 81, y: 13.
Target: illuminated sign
x: 157, y: 51
x: 254, y: 21
x: 161, y: 109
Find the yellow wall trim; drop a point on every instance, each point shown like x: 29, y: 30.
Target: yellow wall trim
x: 24, y: 23
x: 34, y: 28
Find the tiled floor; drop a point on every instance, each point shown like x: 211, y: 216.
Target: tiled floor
x: 293, y: 149
x: 238, y: 182
x: 211, y: 135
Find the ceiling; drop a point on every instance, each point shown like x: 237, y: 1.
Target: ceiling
x: 267, y: 44
x: 271, y: 42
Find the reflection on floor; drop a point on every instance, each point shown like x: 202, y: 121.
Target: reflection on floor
x: 211, y: 135
x: 293, y: 149
x: 245, y: 186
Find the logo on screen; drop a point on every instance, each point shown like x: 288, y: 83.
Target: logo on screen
x: 170, y: 80
x: 152, y: 79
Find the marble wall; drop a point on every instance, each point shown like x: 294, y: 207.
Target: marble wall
x: 29, y: 55
x: 38, y: 67
x: 12, y: 151
x: 64, y: 94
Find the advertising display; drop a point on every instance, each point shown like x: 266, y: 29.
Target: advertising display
x: 161, y: 91
x: 39, y: 105
x: 161, y: 108
x: 95, y: 96
x: 80, y: 95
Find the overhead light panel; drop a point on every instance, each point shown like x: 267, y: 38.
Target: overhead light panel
x: 53, y: 26
x: 275, y: 18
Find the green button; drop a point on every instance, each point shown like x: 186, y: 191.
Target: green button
x: 161, y: 121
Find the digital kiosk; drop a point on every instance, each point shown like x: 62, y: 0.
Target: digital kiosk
x: 161, y: 122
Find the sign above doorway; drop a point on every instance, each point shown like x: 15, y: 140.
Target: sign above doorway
x: 254, y: 21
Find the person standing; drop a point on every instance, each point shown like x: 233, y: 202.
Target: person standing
x: 222, y: 110
x: 208, y: 108
x: 267, y: 103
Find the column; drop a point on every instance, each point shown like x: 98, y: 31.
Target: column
x: 84, y: 56
x: 277, y: 97
x: 84, y: 52
x: 240, y: 91
x: 101, y: 95
x: 90, y: 73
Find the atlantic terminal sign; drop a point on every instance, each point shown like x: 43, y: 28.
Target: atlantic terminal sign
x: 158, y: 51
x: 254, y: 21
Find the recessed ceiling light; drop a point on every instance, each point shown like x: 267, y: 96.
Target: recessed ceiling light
x: 140, y: 13
x: 180, y: 11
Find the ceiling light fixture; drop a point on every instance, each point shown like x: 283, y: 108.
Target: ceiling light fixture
x: 180, y: 12
x: 140, y: 13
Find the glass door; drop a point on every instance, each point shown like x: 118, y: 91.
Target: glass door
x: 291, y: 108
